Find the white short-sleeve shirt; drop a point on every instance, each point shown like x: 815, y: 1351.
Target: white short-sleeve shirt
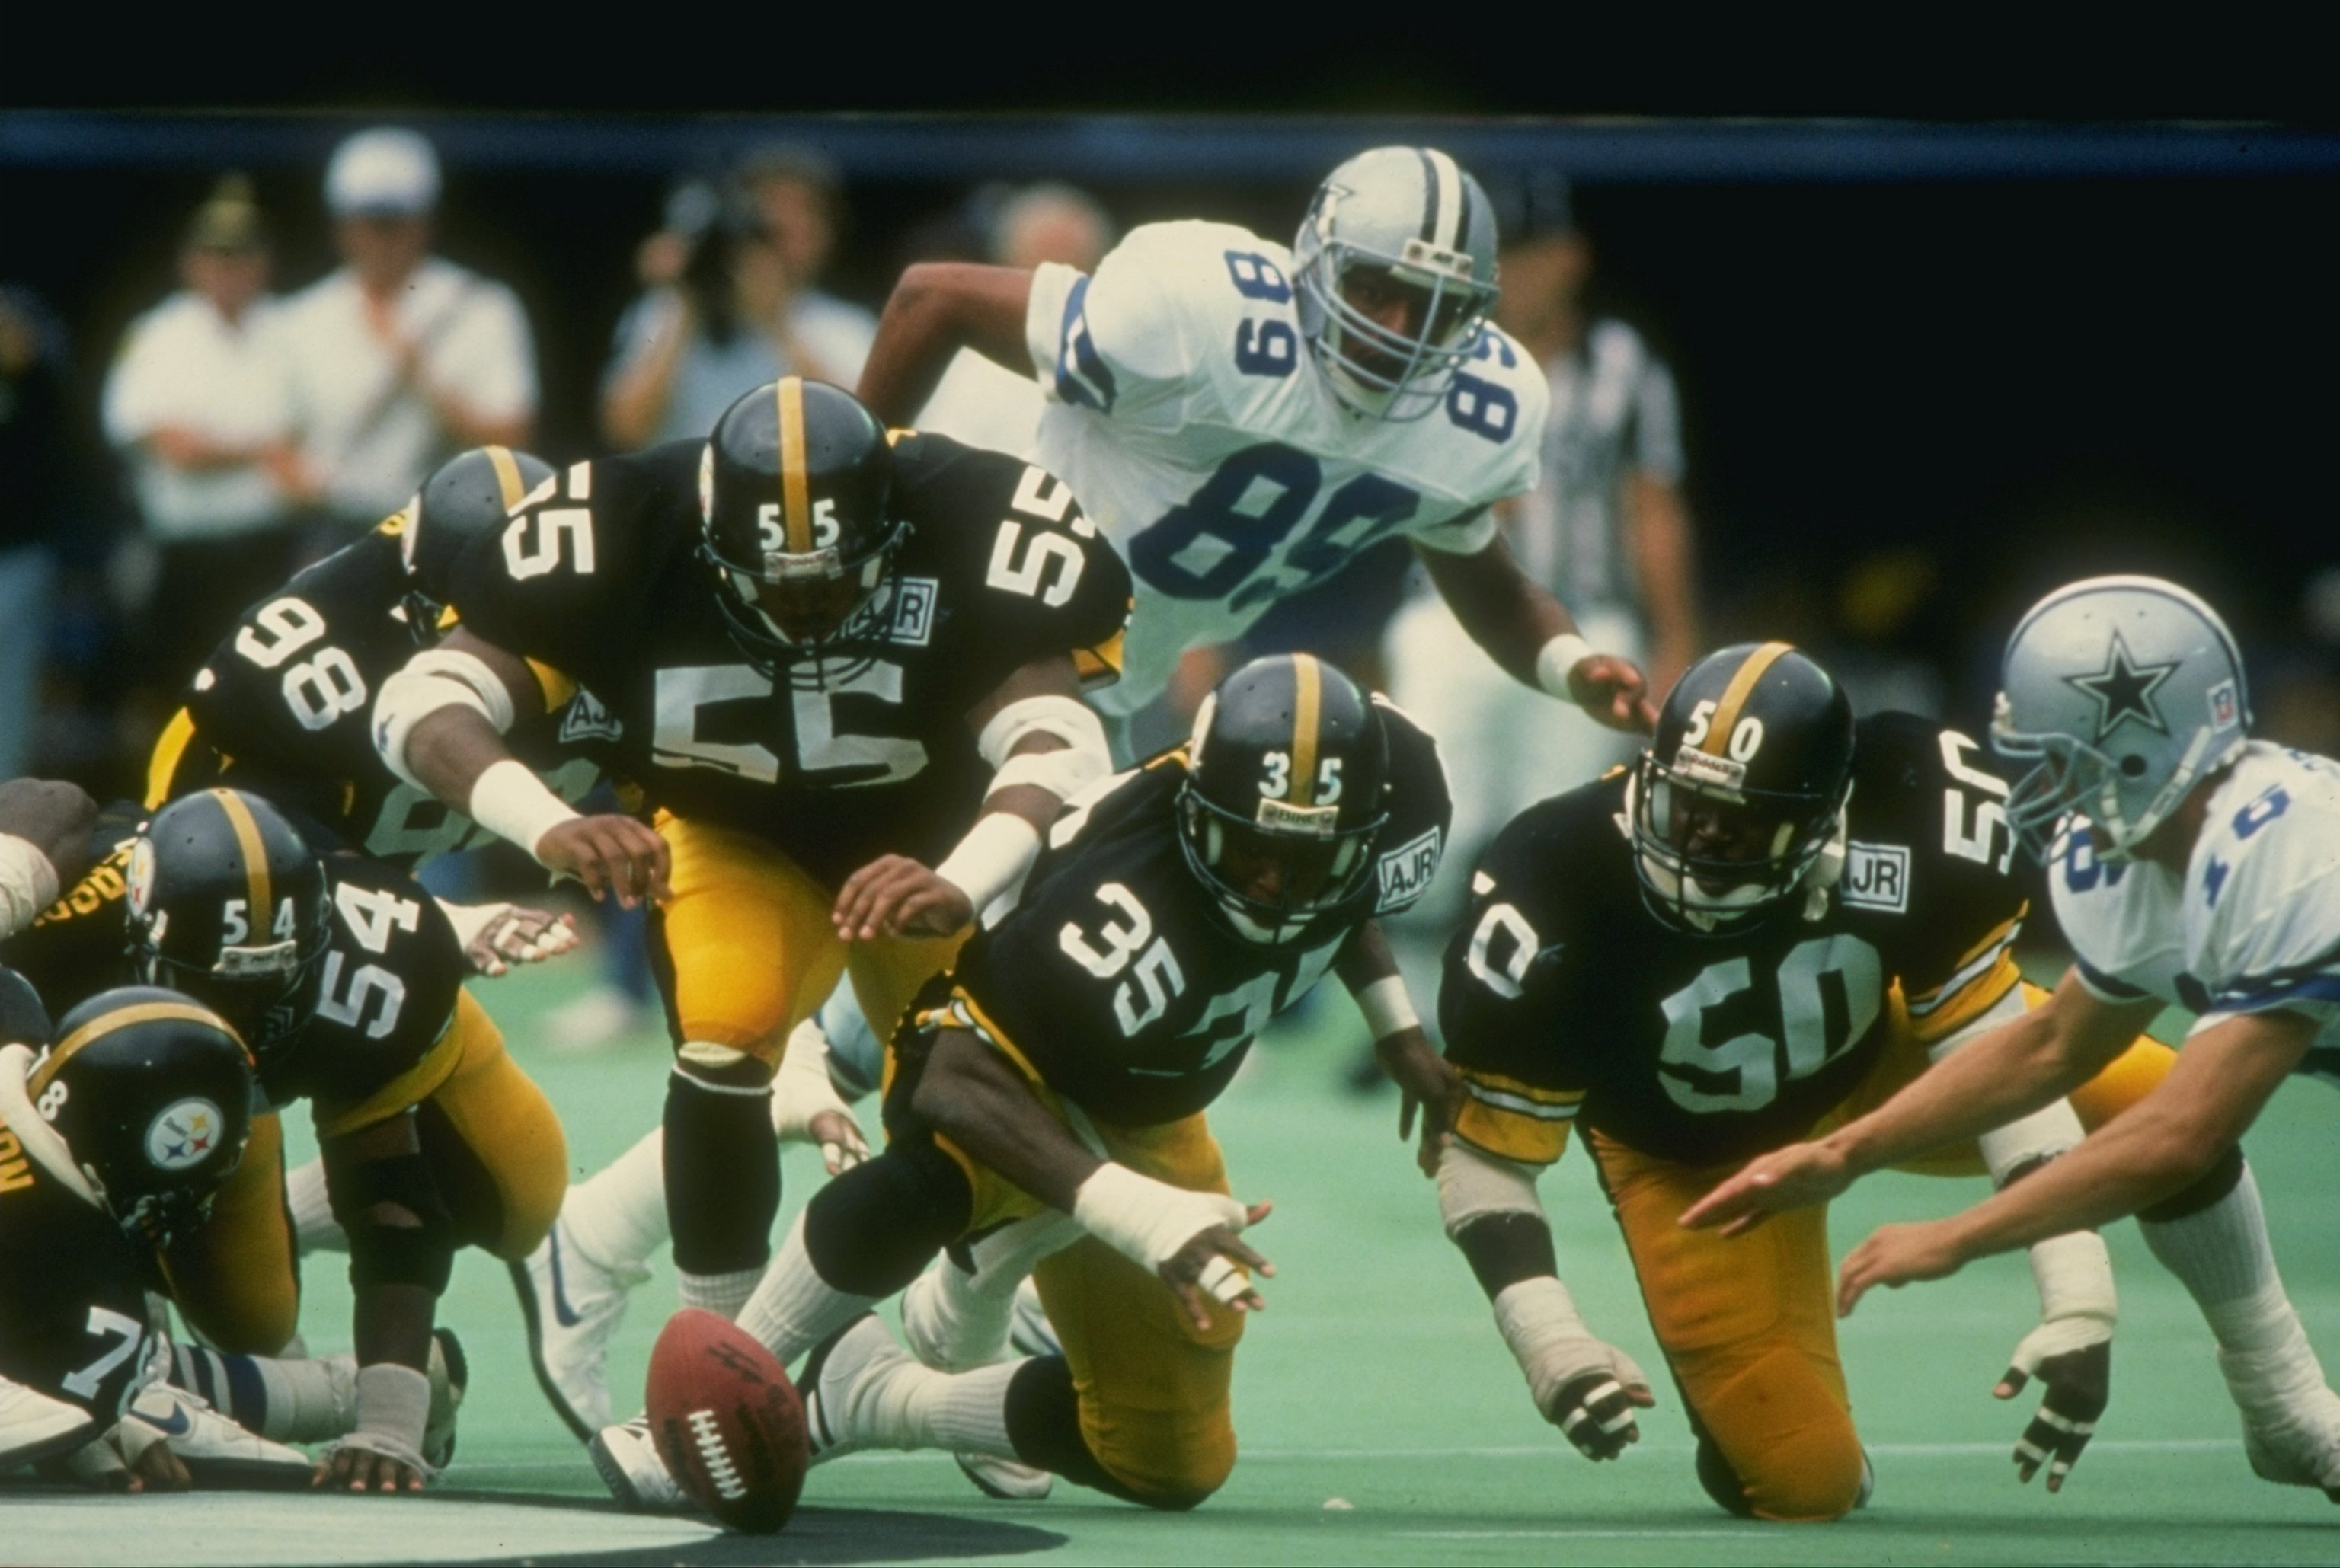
x: 372, y: 440
x: 183, y: 365
x: 2253, y: 925
x: 1186, y: 413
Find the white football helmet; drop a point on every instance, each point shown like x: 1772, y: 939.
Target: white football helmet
x: 2125, y: 691
x: 1408, y: 220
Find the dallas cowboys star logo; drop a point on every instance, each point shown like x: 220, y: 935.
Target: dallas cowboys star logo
x: 2123, y: 690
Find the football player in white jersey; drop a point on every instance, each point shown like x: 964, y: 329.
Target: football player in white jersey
x: 1243, y: 420
x: 2190, y: 866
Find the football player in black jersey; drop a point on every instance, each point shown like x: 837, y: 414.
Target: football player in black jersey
x: 1777, y: 918
x: 281, y: 709
x: 345, y: 981
x: 843, y: 666
x: 1046, y: 1105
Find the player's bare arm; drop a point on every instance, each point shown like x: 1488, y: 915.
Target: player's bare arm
x: 971, y: 1094
x: 377, y: 1176
x: 2222, y: 1080
x: 1046, y: 746
x: 938, y: 308
x: 441, y: 724
x: 1534, y: 638
x: 1426, y: 1081
x: 2030, y: 1061
x: 45, y: 827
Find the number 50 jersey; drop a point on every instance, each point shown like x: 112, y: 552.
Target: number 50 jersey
x: 848, y: 758
x: 1565, y: 999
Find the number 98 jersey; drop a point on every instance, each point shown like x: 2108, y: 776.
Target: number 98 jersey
x: 849, y: 757
x: 1565, y: 999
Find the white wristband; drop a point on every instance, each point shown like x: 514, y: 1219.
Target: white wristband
x: 512, y: 803
x: 992, y: 858
x: 28, y: 882
x: 2075, y: 1275
x: 1148, y: 1221
x: 1387, y: 1008
x: 1559, y: 656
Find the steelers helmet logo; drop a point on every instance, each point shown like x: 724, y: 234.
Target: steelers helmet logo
x: 184, y: 1134
x: 142, y: 877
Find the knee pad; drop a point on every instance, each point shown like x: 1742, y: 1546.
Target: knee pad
x: 1782, y: 1444
x: 722, y: 1165
x: 399, y: 1231
x: 2225, y: 1175
x: 872, y: 1229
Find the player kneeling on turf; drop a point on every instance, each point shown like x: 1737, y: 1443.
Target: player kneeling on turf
x: 1047, y: 1100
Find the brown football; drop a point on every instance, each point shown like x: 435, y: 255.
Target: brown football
x: 726, y: 1421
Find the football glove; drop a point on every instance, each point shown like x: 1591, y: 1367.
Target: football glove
x: 1583, y: 1385
x: 2070, y: 1352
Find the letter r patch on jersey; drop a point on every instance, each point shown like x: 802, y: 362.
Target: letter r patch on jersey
x: 1405, y: 872
x: 1876, y: 876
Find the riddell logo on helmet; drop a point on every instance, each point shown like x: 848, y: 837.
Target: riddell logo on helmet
x: 1702, y: 767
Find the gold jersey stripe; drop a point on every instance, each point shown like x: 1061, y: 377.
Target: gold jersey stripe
x: 1734, y: 697
x: 1508, y: 1135
x: 1524, y: 1089
x: 169, y: 749
x: 256, y: 856
x: 98, y: 1028
x: 509, y: 483
x: 796, y: 500
x: 1307, y: 700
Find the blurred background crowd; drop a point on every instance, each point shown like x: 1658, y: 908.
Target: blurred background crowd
x: 1873, y: 411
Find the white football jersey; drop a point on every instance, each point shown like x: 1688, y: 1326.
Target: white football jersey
x: 2254, y: 922
x: 1185, y: 412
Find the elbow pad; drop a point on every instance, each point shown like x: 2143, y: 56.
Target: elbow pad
x: 1473, y: 1186
x: 433, y: 679
x: 1085, y: 758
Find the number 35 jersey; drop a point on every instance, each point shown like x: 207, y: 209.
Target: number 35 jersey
x: 849, y: 757
x: 281, y: 708
x: 1115, y: 983
x: 1185, y: 410
x: 1565, y: 999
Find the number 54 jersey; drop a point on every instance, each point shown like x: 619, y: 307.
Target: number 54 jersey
x: 1184, y: 408
x: 843, y: 758
x: 1564, y: 999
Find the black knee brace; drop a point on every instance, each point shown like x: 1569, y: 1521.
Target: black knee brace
x: 398, y: 1228
x: 872, y: 1229
x: 723, y: 1162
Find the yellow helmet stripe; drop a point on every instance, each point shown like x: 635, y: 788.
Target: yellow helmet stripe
x: 1307, y: 701
x: 508, y: 480
x: 796, y: 500
x: 98, y: 1028
x: 1734, y: 696
x: 256, y: 855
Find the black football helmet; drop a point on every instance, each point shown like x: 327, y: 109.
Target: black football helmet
x: 1286, y: 780
x: 1742, y: 788
x: 468, y: 494
x: 796, y: 490
x: 153, y: 1096
x: 227, y: 904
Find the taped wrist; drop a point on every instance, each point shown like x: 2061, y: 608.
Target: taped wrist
x: 1554, y: 661
x: 993, y: 857
x: 1146, y: 1220
x: 509, y: 801
x: 802, y: 1088
x: 1083, y: 759
x: 394, y: 1409
x: 28, y: 882
x: 1539, y: 1322
x: 2075, y: 1277
x: 433, y: 679
x: 398, y: 1228
x: 1387, y: 1008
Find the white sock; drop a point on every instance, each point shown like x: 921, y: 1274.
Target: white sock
x: 793, y: 1307
x: 285, y: 1401
x: 2221, y: 1255
x: 962, y: 1412
x: 616, y: 1219
x: 955, y: 1320
x: 314, y: 1229
x: 721, y: 1293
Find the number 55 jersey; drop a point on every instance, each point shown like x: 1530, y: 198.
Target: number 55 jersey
x: 1184, y: 410
x: 1565, y: 999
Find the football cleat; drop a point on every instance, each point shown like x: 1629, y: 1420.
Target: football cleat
x: 449, y: 1372
x: 630, y: 1466
x: 840, y: 1376
x: 216, y: 1452
x: 2294, y: 1439
x: 1029, y: 1330
x: 573, y: 1306
x: 1006, y: 1479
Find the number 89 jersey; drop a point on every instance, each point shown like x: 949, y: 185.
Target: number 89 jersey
x: 845, y: 758
x: 1565, y: 999
x: 1185, y: 412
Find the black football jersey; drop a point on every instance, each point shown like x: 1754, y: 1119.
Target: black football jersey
x: 604, y: 582
x: 1565, y: 999
x: 1114, y: 978
x: 282, y: 709
x: 73, y: 1290
x: 387, y: 992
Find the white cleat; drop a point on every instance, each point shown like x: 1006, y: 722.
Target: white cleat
x: 34, y: 1427
x: 1006, y: 1479
x: 928, y: 1327
x: 573, y: 1306
x: 216, y: 1452
x: 631, y: 1469
x: 1028, y: 1329
x: 840, y: 1376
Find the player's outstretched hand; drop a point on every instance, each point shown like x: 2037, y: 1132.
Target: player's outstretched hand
x: 347, y: 1467
x: 1613, y: 693
x: 1595, y: 1410
x: 894, y: 895
x: 1427, y: 1084
x: 1204, y: 1270
x: 1895, y: 1256
x: 2079, y: 1386
x: 520, y: 934
x: 614, y: 856
x: 1795, y: 1177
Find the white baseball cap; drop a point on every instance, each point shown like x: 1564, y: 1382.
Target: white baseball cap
x: 384, y: 172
